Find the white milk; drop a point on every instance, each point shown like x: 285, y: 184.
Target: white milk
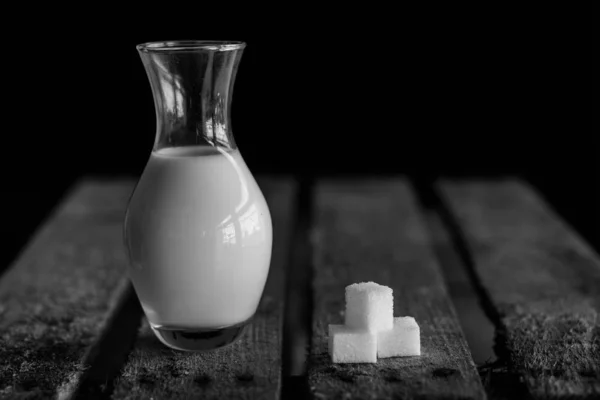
x: 199, y: 236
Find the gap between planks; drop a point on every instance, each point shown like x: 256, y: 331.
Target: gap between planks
x: 298, y: 305
x: 477, y: 316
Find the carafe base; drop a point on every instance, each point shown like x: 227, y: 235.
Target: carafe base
x: 199, y: 339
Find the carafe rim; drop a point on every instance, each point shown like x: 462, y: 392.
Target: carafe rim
x: 190, y: 45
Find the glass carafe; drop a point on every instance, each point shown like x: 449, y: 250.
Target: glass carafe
x: 197, y: 228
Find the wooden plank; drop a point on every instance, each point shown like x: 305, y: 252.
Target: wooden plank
x: 373, y: 231
x: 542, y: 279
x: 247, y: 369
x: 56, y: 298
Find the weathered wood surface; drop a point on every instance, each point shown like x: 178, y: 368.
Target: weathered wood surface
x: 373, y: 231
x: 542, y: 280
x: 247, y: 369
x: 56, y: 298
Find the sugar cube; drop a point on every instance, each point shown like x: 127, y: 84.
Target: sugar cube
x: 348, y: 345
x: 403, y: 340
x: 369, y: 306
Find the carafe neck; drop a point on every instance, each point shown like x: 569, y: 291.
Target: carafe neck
x: 192, y: 85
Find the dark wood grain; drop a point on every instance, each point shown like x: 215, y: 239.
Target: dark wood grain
x: 247, y: 369
x: 56, y: 298
x: 373, y: 231
x: 542, y: 280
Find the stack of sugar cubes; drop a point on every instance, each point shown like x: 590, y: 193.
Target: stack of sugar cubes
x: 370, y: 330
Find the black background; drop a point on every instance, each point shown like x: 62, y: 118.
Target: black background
x: 431, y: 92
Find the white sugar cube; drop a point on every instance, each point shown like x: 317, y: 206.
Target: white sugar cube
x: 369, y: 306
x: 403, y: 340
x: 348, y: 345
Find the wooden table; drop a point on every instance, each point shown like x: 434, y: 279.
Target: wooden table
x: 71, y: 325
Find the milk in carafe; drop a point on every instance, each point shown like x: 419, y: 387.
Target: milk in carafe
x: 199, y: 236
